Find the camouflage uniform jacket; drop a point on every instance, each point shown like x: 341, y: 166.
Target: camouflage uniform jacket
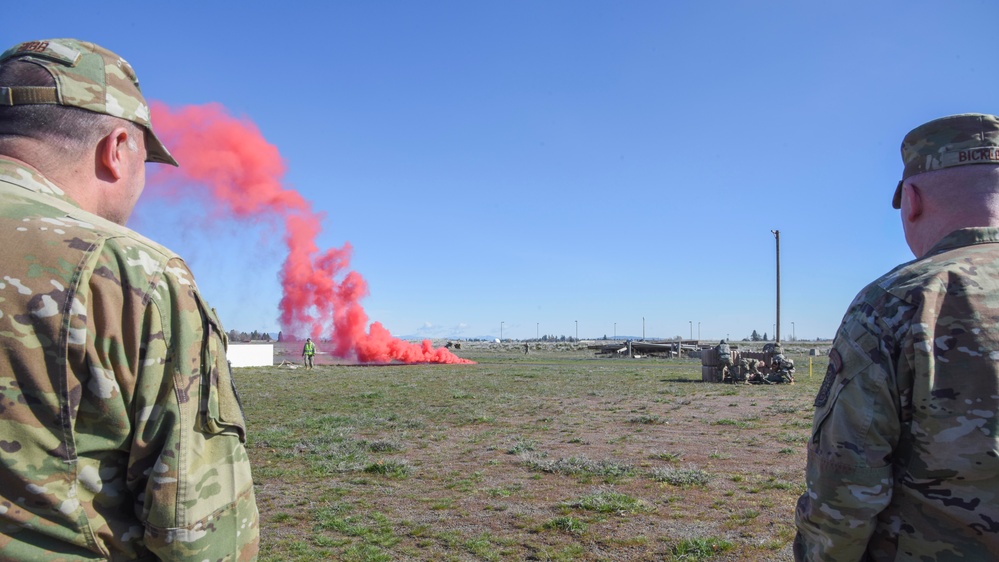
x: 121, y: 435
x: 903, y: 462
x: 724, y: 353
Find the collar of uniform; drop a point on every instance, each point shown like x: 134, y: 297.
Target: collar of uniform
x: 965, y: 237
x: 23, y: 175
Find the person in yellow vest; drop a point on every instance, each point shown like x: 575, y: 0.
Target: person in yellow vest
x: 309, y: 352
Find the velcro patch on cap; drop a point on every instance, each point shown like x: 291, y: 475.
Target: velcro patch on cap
x: 835, y: 366
x: 28, y: 95
x: 55, y: 52
x: 979, y: 155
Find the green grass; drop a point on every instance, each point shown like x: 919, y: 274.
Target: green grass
x: 666, y: 456
x: 646, y: 419
x: 391, y: 468
x: 580, y: 466
x: 700, y: 548
x: 605, y: 501
x: 682, y: 477
x: 567, y: 524
x: 522, y: 446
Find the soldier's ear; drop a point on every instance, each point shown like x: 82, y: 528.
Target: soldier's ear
x: 912, y: 201
x: 111, y: 151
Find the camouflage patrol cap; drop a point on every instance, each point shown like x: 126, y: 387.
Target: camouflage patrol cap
x: 89, y: 77
x: 956, y: 140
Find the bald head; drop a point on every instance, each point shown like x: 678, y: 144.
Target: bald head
x: 937, y: 203
x: 966, y: 191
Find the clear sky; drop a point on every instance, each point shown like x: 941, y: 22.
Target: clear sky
x: 537, y: 166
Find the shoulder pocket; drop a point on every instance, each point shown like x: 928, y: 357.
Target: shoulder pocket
x: 846, y: 362
x: 221, y: 410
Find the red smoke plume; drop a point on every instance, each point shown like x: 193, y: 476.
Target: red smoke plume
x: 242, y: 173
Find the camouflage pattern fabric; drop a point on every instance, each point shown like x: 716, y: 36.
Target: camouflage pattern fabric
x: 89, y: 77
x: 955, y: 140
x: 724, y: 353
x: 739, y: 372
x: 121, y: 434
x: 902, y: 462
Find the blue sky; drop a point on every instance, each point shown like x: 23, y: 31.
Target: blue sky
x: 538, y: 166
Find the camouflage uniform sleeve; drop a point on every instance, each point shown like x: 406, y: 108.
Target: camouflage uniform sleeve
x: 855, y: 429
x: 188, y: 467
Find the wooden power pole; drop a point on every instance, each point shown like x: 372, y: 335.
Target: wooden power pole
x: 776, y: 234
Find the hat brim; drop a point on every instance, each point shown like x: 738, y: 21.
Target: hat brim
x: 156, y: 151
x: 896, y: 200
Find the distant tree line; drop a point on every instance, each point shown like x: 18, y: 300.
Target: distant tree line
x: 252, y: 336
x: 755, y: 336
x: 554, y: 338
x: 546, y: 338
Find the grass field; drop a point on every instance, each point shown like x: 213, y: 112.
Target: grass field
x: 555, y: 455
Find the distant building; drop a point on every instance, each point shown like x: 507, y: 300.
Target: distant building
x: 251, y: 354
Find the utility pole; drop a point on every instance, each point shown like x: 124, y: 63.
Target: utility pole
x: 501, y: 331
x: 776, y: 234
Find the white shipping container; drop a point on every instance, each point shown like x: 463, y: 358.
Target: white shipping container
x: 251, y: 354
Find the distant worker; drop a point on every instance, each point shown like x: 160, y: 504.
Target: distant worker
x: 777, y: 356
x: 781, y: 371
x: 902, y: 461
x: 724, y: 360
x: 309, y: 353
x: 741, y: 371
x: 788, y: 371
x: 122, y: 433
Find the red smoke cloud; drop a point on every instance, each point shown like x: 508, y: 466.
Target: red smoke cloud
x: 242, y: 173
